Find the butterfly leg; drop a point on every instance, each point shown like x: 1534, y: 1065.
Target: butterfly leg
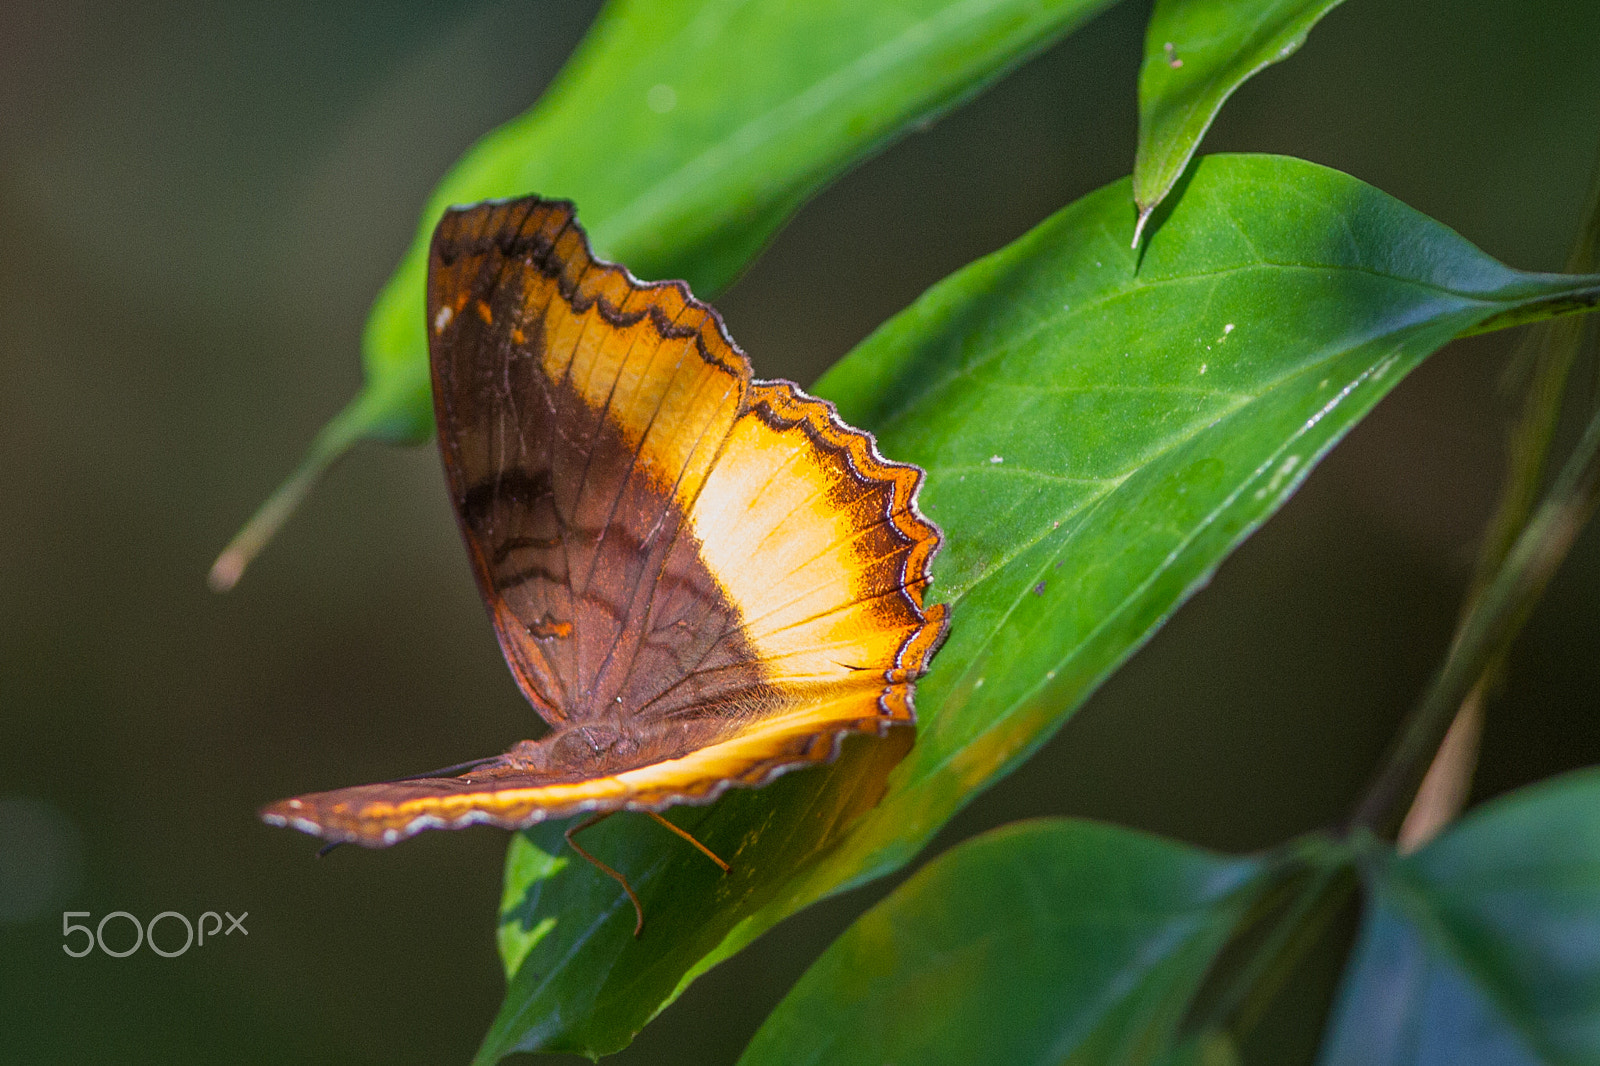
x: 638, y: 926
x: 684, y: 833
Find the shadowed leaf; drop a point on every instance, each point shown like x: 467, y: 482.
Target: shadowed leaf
x: 1044, y: 942
x: 1484, y: 945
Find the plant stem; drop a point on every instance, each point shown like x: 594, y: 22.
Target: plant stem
x: 330, y: 444
x: 1294, y: 928
x: 1550, y: 349
x: 1317, y: 910
x: 1448, y: 782
x: 1492, y: 621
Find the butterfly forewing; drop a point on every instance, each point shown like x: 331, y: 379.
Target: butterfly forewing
x: 699, y: 579
x: 576, y: 411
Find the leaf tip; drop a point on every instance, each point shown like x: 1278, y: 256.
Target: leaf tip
x: 333, y: 441
x: 1138, y: 227
x: 229, y: 567
x: 263, y: 525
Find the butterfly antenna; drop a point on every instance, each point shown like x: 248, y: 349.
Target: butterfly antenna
x: 328, y: 847
x: 684, y: 833
x: 470, y: 764
x: 638, y: 926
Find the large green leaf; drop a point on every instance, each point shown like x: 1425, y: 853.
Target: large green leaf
x: 1099, y: 431
x: 1484, y: 946
x: 1045, y: 942
x: 1196, y: 53
x: 687, y: 131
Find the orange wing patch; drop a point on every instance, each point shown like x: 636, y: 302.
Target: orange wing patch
x: 700, y: 580
x: 818, y: 540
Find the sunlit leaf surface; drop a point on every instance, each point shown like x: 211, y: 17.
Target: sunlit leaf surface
x: 1099, y: 431
x: 1196, y: 53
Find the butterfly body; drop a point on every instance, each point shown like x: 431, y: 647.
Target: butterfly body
x: 698, y: 579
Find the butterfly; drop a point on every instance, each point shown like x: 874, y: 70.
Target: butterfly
x: 699, y: 579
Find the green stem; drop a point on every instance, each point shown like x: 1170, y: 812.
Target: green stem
x: 1493, y: 620
x: 343, y: 430
x: 1550, y: 349
x: 1320, y: 905
x: 1281, y: 925
x: 1258, y: 980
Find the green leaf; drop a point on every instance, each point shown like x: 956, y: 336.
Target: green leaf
x: 687, y: 131
x: 1043, y: 942
x: 525, y: 864
x: 1196, y: 53
x: 1099, y: 432
x: 1484, y: 946
x: 1211, y: 1048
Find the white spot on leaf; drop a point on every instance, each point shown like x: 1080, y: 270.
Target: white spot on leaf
x: 1280, y: 475
x: 661, y: 98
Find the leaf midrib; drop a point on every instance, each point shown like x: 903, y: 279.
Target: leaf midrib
x: 1410, y: 897
x: 1055, y: 321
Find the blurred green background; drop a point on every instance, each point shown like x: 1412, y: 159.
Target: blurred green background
x: 198, y: 202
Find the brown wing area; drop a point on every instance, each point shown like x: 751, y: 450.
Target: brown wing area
x: 575, y: 407
x: 698, y: 579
